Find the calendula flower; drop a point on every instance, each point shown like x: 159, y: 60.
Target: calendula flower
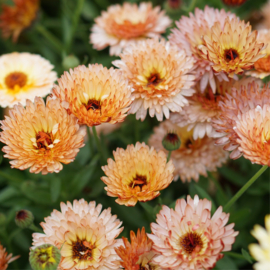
x: 233, y: 106
x: 14, y: 19
x: 232, y: 47
x: 188, y: 237
x: 24, y: 76
x: 234, y: 2
x: 137, y: 174
x: 94, y: 94
x: 189, y: 35
x: 160, y: 76
x: 194, y: 157
x: 261, y: 252
x: 84, y: 235
x: 41, y: 137
x: 6, y: 258
x: 120, y: 26
x: 137, y: 254
x: 24, y: 218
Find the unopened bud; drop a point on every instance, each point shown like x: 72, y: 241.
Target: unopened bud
x: 24, y: 219
x: 45, y: 257
x: 70, y: 61
x: 171, y: 141
x: 234, y: 2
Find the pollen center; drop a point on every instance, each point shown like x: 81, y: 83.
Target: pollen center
x: 16, y: 78
x: 138, y: 181
x: 43, y: 140
x: 82, y: 250
x: 93, y: 105
x: 231, y: 54
x: 191, y: 242
x: 154, y: 79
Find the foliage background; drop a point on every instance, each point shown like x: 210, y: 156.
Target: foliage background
x: 60, y: 30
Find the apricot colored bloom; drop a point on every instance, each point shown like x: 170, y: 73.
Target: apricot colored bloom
x: 188, y: 238
x: 94, y: 94
x: 24, y: 76
x: 137, y: 174
x: 160, y: 76
x: 14, y: 19
x: 6, y: 258
x: 262, y: 66
x: 232, y: 47
x: 41, y: 137
x: 194, y: 157
x: 234, y: 2
x: 233, y: 106
x: 261, y: 251
x: 120, y: 26
x: 84, y: 235
x: 189, y: 35
x: 137, y: 254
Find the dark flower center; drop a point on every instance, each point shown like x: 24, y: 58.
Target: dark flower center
x: 93, y: 105
x: 15, y: 78
x: 43, y: 140
x: 188, y: 143
x: 172, y: 138
x: 82, y: 250
x: 231, y: 54
x: 191, y: 241
x: 138, y: 181
x: 21, y: 214
x: 154, y: 79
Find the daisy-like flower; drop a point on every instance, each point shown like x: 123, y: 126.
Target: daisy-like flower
x: 94, y: 94
x: 232, y: 47
x: 41, y: 137
x: 138, y: 254
x: 6, y: 258
x: 188, y: 238
x: 120, y: 26
x: 160, y: 76
x: 261, y: 252
x: 189, y: 35
x: 84, y: 235
x: 194, y: 157
x: 234, y: 2
x: 262, y: 66
x: 14, y: 19
x: 24, y: 76
x: 137, y: 174
x: 233, y: 106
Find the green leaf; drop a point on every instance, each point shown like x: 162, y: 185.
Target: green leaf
x: 226, y: 263
x: 8, y: 193
x: 55, y: 187
x: 246, y: 255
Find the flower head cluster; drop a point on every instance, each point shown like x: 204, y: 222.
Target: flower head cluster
x: 6, y: 258
x: 121, y: 26
x: 187, y: 237
x: 85, y: 235
x: 160, y: 76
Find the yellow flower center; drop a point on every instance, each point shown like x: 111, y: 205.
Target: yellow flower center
x: 14, y: 79
x: 191, y: 242
x: 93, y: 104
x: 230, y: 55
x: 138, y: 181
x: 43, y: 140
x: 82, y: 250
x: 45, y: 257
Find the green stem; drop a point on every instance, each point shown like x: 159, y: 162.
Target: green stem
x: 169, y: 156
x: 50, y: 37
x: 235, y: 255
x: 244, y: 188
x: 99, y: 147
x: 34, y: 228
x: 90, y: 140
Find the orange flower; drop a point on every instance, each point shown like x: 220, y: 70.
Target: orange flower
x: 41, y: 136
x: 231, y: 48
x: 137, y: 174
x: 94, y: 94
x: 14, y: 19
x: 5, y: 259
x: 234, y: 2
x: 137, y: 254
x: 119, y: 26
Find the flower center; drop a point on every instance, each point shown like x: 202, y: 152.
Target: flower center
x: 230, y: 55
x: 93, y: 104
x: 188, y: 143
x: 154, y: 79
x: 21, y: 215
x: 82, y: 250
x: 191, y: 242
x: 138, y: 181
x: 43, y: 140
x: 16, y: 78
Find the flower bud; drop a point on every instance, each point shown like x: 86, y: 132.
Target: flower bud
x: 234, y: 2
x: 171, y: 141
x: 70, y: 61
x: 24, y: 219
x: 45, y: 257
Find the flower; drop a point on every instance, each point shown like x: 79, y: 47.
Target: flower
x: 24, y: 219
x: 261, y: 252
x: 94, y: 94
x: 137, y: 254
x: 232, y: 48
x: 234, y: 2
x: 194, y: 157
x: 84, y: 235
x: 41, y: 137
x: 233, y: 106
x: 189, y: 35
x: 188, y: 238
x: 24, y: 76
x: 265, y: 12
x: 137, y: 174
x: 262, y: 66
x: 5, y: 259
x: 160, y: 76
x: 120, y: 26
x: 14, y: 19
